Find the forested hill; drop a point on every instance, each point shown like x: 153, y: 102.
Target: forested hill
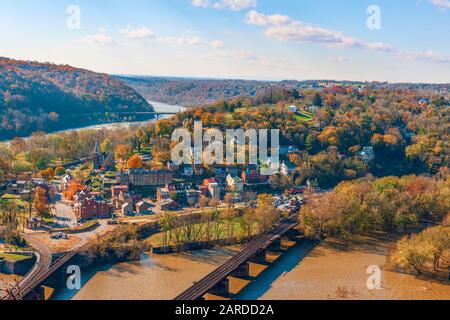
x: 196, y: 92
x: 47, y: 97
x: 193, y: 92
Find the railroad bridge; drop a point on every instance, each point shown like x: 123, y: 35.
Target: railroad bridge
x: 230, y: 278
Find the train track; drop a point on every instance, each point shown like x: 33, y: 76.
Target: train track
x: 198, y: 290
x: 37, y: 276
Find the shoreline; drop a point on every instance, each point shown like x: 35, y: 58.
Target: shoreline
x: 157, y: 106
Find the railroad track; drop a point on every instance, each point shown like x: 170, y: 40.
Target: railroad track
x: 37, y: 276
x: 198, y: 290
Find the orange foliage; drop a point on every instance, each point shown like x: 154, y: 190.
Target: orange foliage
x: 47, y: 174
x: 73, y: 188
x: 135, y: 162
x: 41, y: 202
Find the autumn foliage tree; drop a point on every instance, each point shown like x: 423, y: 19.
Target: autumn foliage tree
x: 72, y: 190
x: 41, y: 204
x: 135, y: 162
x: 122, y: 152
x: 47, y: 174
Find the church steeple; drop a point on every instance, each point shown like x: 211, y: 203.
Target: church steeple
x: 96, y: 148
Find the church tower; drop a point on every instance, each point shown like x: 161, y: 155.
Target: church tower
x: 98, y: 157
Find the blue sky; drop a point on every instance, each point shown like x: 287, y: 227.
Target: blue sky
x: 250, y: 39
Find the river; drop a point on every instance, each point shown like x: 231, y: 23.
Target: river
x: 158, y: 107
x: 305, y: 272
x: 154, y: 277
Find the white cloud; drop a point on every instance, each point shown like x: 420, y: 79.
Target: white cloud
x: 259, y: 19
x: 102, y: 30
x: 235, y: 55
x: 234, y: 5
x: 184, y: 40
x: 339, y: 59
x: 98, y: 39
x: 443, y: 4
x: 283, y: 28
x: 200, y: 3
x: 137, y: 33
x: 218, y: 44
x: 429, y: 55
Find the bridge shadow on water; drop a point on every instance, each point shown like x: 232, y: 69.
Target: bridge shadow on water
x: 286, y: 263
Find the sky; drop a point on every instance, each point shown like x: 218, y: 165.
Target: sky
x: 364, y: 40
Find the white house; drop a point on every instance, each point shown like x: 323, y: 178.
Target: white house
x: 293, y: 109
x: 287, y: 168
x: 235, y: 183
x: 367, y: 154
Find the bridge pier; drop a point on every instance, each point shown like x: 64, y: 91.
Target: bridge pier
x: 220, y: 291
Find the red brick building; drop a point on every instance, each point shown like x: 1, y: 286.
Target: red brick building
x: 91, y: 206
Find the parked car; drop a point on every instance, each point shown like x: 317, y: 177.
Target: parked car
x: 59, y: 235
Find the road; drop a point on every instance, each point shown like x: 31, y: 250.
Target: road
x: 41, y: 266
x: 198, y: 290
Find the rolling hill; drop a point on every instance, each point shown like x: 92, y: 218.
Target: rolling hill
x: 47, y: 97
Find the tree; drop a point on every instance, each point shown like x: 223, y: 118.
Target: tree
x: 41, y: 204
x: 229, y: 200
x: 266, y: 213
x: 106, y: 146
x: 9, y: 216
x: 248, y: 196
x: 59, y: 171
x: 317, y: 100
x: 135, y: 162
x: 19, y: 167
x: 73, y: 188
x: 122, y: 152
x: 47, y: 174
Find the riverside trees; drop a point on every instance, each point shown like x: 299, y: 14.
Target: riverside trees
x: 369, y: 204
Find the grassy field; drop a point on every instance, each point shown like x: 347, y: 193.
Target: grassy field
x: 305, y: 116
x: 238, y: 232
x: 7, y: 198
x: 14, y: 257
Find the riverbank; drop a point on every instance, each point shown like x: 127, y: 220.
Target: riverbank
x: 157, y: 106
x: 337, y: 270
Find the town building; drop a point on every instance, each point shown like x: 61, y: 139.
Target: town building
x: 102, y: 160
x: 33, y: 223
x: 235, y: 183
x: 254, y: 177
x: 89, y: 205
x: 293, y: 109
x: 144, y: 178
x: 213, y: 188
x: 117, y: 190
x: 180, y: 190
x: 188, y: 171
x: 287, y: 168
x: 127, y: 209
x: 172, y: 166
x: 367, y: 154
x: 65, y: 182
x: 144, y: 207
x: 165, y: 205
